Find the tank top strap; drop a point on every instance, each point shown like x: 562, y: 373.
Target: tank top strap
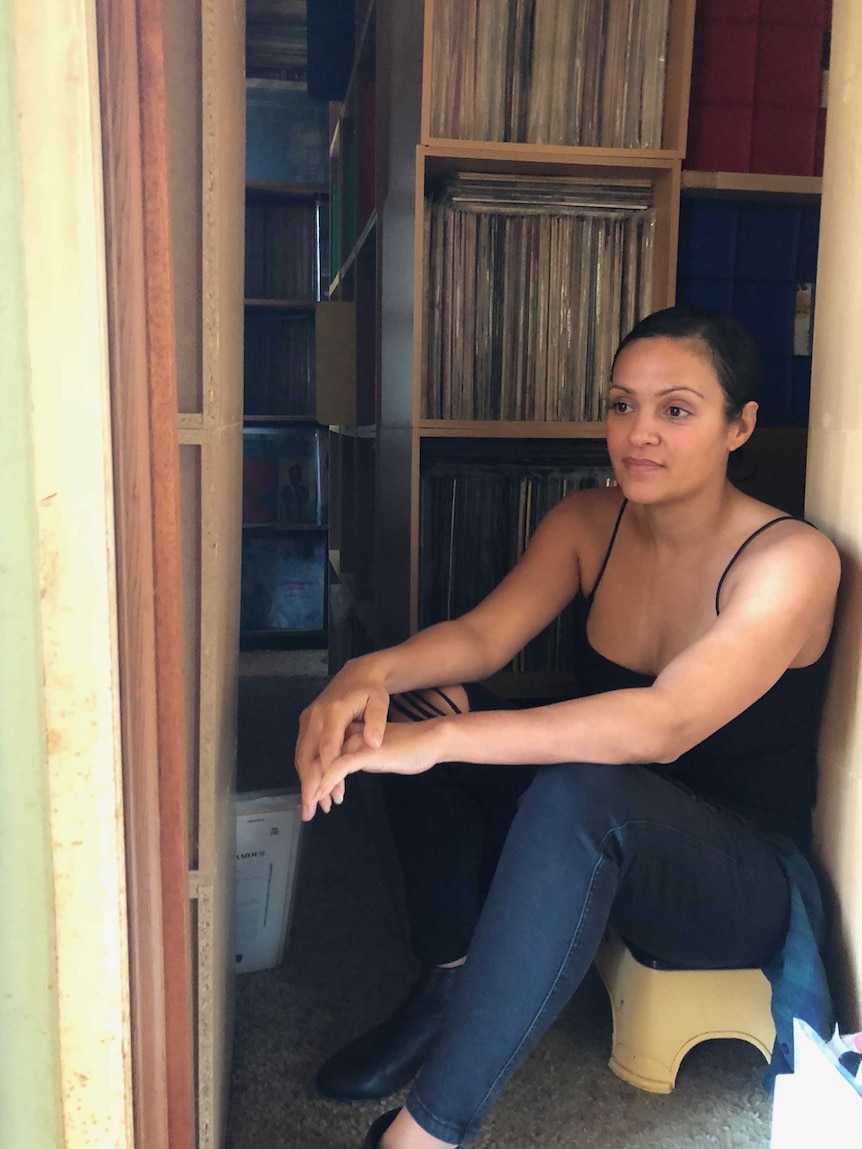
x: 743, y: 545
x: 613, y: 539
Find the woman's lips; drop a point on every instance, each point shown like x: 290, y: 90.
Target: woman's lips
x: 641, y: 464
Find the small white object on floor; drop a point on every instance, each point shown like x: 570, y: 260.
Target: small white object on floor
x: 819, y: 1103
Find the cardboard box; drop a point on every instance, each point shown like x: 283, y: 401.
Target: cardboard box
x: 268, y: 834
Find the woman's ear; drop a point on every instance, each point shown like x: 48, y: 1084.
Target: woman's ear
x: 742, y: 427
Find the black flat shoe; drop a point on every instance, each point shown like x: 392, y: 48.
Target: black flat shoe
x: 390, y: 1055
x: 372, y: 1138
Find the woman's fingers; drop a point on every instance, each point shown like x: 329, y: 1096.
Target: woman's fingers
x: 340, y: 721
x: 328, y: 729
x: 338, y: 793
x: 376, y: 715
x: 310, y: 788
x: 339, y: 770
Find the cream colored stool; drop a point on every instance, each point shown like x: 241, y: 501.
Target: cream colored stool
x: 659, y: 1015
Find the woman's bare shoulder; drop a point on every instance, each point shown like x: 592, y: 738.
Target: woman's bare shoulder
x: 788, y: 531
x: 593, y: 508
x: 791, y: 546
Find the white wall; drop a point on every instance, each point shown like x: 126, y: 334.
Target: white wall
x: 834, y: 496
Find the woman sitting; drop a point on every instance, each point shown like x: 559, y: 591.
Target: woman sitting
x: 659, y: 802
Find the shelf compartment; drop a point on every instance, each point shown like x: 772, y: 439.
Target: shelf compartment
x: 529, y: 285
x: 275, y: 112
x: 283, y: 582
x: 468, y: 90
x: 284, y: 241
x: 278, y: 362
x: 477, y: 517
x: 284, y: 478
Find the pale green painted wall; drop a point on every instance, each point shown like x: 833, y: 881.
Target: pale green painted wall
x: 30, y: 1102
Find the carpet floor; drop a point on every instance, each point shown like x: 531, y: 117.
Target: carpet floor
x: 347, y: 963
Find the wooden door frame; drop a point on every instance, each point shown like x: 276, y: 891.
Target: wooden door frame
x: 142, y: 352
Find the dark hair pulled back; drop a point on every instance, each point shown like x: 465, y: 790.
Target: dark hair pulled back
x: 731, y: 350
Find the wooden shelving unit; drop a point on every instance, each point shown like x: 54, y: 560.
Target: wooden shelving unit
x: 376, y: 462
x: 283, y: 288
x: 379, y: 453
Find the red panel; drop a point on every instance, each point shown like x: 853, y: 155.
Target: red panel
x: 788, y: 68
x: 810, y: 13
x: 730, y: 9
x: 729, y: 63
x: 720, y: 138
x: 783, y: 141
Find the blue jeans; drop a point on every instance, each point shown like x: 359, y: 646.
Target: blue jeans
x: 591, y: 845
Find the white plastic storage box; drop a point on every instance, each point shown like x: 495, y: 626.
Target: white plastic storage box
x: 268, y: 833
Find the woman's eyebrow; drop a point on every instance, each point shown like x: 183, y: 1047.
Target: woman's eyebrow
x: 665, y: 391
x: 671, y: 390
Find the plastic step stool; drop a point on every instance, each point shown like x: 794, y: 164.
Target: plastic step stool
x: 660, y: 1014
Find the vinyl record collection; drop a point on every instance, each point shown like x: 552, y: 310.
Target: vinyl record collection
x: 477, y: 519
x: 282, y: 250
x: 532, y: 282
x: 588, y: 74
x: 279, y: 363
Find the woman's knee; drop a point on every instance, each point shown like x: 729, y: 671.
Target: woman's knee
x: 584, y: 792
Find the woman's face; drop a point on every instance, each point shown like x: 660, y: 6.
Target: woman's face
x: 668, y: 436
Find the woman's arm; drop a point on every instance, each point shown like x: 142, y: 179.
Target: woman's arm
x: 780, y: 598
x: 464, y: 650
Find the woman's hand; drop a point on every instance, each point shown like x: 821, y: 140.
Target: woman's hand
x: 407, y: 748
x: 354, y: 704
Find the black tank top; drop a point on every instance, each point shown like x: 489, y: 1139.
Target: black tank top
x: 763, y: 763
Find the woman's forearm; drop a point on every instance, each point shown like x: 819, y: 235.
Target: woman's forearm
x: 624, y: 726
x: 442, y: 655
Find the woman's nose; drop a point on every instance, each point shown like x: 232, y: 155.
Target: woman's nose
x: 643, y: 428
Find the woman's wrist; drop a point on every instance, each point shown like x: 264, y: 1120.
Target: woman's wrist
x: 382, y: 667
x: 368, y: 668
x: 447, y: 737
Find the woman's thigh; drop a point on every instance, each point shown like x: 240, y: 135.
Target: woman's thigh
x: 695, y: 884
